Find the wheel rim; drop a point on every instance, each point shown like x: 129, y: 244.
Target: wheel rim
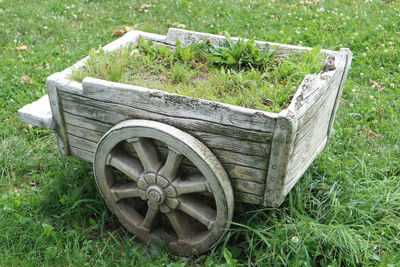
x: 143, y: 170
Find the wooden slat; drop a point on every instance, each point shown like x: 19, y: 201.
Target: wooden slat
x: 82, y: 154
x: 210, y: 140
x: 234, y: 171
x: 315, y: 123
x: 112, y: 113
x: 306, y: 150
x: 168, y: 104
x: 86, y: 123
x: 224, y: 155
x: 295, y: 175
x: 327, y: 96
x: 245, y: 186
x: 313, y: 87
x: 187, y: 37
x: 83, y: 143
x: 248, y: 198
x: 56, y: 110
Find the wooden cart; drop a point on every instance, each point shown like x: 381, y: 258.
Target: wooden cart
x: 170, y: 167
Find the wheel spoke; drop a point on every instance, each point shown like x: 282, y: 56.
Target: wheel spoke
x: 170, y: 168
x: 198, y: 210
x: 147, y: 153
x: 180, y: 224
x: 149, y: 219
x: 125, y: 163
x: 121, y: 191
x: 193, y: 184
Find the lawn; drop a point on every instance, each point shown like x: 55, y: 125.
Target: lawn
x: 345, y: 211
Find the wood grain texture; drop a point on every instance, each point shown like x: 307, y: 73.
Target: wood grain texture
x: 314, y: 106
x: 187, y: 37
x: 282, y: 144
x: 165, y: 103
x: 110, y: 112
x: 38, y: 113
x: 296, y: 175
x: 56, y: 110
x: 87, y: 139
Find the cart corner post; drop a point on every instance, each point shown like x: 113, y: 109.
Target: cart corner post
x: 56, y: 109
x: 281, y: 146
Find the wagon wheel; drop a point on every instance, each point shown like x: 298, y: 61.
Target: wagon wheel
x: 164, y: 185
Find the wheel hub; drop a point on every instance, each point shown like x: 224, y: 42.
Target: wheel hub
x: 158, y: 191
x: 155, y: 195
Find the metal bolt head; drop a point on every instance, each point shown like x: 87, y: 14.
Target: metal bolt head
x: 155, y: 195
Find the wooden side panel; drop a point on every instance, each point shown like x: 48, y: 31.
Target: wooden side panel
x: 314, y: 108
x: 167, y: 104
x: 243, y: 153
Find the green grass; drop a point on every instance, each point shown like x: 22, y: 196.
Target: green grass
x: 235, y: 73
x: 344, y: 212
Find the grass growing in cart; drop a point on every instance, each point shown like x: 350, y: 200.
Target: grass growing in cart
x: 238, y: 73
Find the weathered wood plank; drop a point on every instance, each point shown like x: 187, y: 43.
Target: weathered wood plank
x: 86, y: 123
x: 306, y: 148
x: 245, y: 173
x: 248, y: 198
x: 246, y: 186
x: 113, y: 113
x: 242, y: 160
x: 210, y: 140
x: 56, y: 110
x: 38, y: 113
x: 168, y: 104
x: 327, y: 95
x: 235, y: 171
x: 297, y: 173
x: 245, y: 147
x: 227, y: 156
x: 82, y: 154
x: 316, y: 121
x: 76, y: 141
x: 278, y: 164
x: 187, y: 37
x: 314, y: 86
